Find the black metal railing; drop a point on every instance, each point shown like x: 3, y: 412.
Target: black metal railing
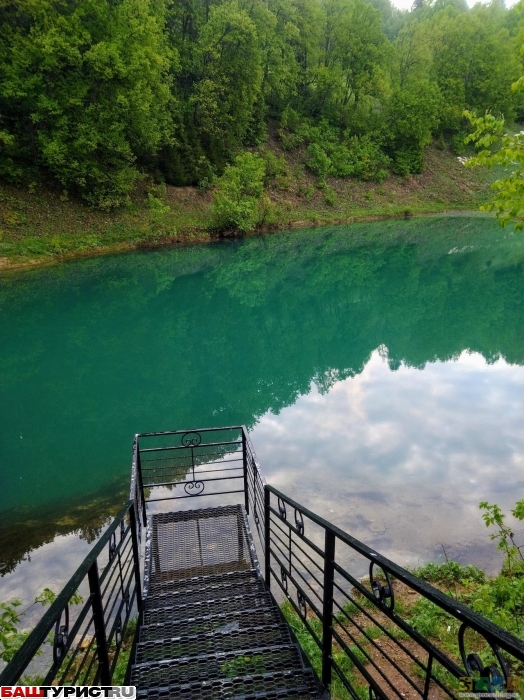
x: 78, y: 643
x: 184, y: 464
x: 362, y: 632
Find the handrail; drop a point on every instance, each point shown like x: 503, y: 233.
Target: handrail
x: 285, y: 546
x: 292, y: 558
x: 180, y: 464
x: 198, y: 430
x: 484, y: 626
x: 14, y: 670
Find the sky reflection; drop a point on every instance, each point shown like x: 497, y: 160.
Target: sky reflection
x: 402, y: 458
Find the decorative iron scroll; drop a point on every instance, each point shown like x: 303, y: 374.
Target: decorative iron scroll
x: 475, y: 667
x: 61, y: 635
x: 299, y: 521
x: 194, y: 488
x: 382, y: 593
x: 302, y: 605
x: 192, y: 440
x: 112, y: 546
x: 282, y: 509
x: 118, y: 630
x: 283, y: 576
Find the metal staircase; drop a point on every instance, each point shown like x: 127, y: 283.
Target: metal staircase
x: 207, y: 624
x: 209, y: 628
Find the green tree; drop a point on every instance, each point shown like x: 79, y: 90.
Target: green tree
x: 489, y: 134
x: 84, y: 92
x: 229, y: 62
x: 474, y: 63
x: 411, y: 117
x: 238, y: 198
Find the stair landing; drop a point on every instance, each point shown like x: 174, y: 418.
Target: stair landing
x: 209, y: 627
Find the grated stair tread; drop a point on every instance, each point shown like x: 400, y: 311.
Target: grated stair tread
x: 209, y: 627
x: 159, y: 585
x: 280, y: 685
x: 190, y: 543
x: 212, y: 642
x: 199, y: 608
x: 218, y: 589
x: 222, y: 622
x: 219, y: 665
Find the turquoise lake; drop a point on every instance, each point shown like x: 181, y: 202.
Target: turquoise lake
x: 379, y: 368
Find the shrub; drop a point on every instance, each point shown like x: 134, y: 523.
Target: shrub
x: 277, y: 170
x: 358, y: 157
x: 330, y: 196
x: 319, y: 162
x: 367, y: 159
x: 238, y: 199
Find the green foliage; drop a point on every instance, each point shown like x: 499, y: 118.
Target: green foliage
x: 500, y: 599
x: 238, y: 198
x: 513, y: 559
x: 319, y: 162
x: 430, y: 620
x: 95, y: 94
x: 84, y: 93
x: 243, y: 665
x: 450, y: 573
x: 277, y: 172
x: 330, y: 196
x: 331, y: 151
x: 488, y: 134
x: 411, y: 118
x: 11, y: 636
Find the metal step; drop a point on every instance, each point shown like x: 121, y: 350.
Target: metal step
x: 160, y: 585
x: 198, y: 542
x: 212, y: 642
x: 224, y: 621
x: 280, y: 685
x: 210, y: 666
x: 220, y: 586
x: 210, y: 629
x: 199, y: 608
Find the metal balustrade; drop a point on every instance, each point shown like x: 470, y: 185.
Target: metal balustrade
x: 79, y: 644
x: 205, y: 606
x: 309, y: 560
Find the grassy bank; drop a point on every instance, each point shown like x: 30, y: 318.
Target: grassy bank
x: 40, y: 227
x: 371, y: 635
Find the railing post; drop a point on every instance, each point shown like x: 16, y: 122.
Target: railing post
x: 136, y: 556
x: 140, y: 483
x: 244, y: 460
x: 100, y: 627
x: 327, y: 610
x: 267, y: 543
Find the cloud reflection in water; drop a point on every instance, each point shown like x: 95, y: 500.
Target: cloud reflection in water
x: 402, y: 458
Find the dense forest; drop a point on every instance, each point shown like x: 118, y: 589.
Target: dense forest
x: 96, y: 93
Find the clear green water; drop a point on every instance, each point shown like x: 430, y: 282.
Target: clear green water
x: 379, y: 366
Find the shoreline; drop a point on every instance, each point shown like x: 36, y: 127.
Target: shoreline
x: 205, y: 236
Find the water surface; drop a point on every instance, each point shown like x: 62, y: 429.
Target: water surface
x: 379, y: 368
